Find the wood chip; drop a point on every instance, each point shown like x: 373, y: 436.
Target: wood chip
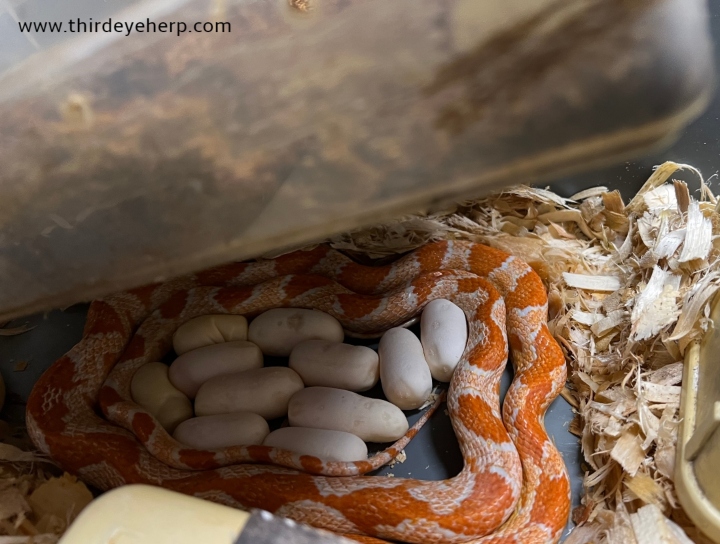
x: 430, y: 400
x: 667, y: 375
x: 613, y: 319
x: 629, y: 453
x: 586, y: 318
x: 661, y: 174
x: 645, y: 488
x: 60, y: 498
x: 661, y: 198
x: 13, y: 454
x: 568, y: 215
x: 592, y: 283
x: 656, y: 306
x: 613, y: 202
x: 588, y: 193
x: 698, y: 238
x: 651, y: 527
x: 400, y: 458
x: 682, y: 195
x: 694, y: 301
x: 662, y: 394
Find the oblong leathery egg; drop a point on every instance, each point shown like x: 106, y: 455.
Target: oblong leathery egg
x: 151, y: 389
x: 263, y: 391
x: 279, y: 330
x: 321, y: 443
x: 333, y: 364
x: 373, y: 420
x: 193, y: 368
x: 443, y: 334
x: 209, y: 329
x: 222, y: 431
x: 404, y: 373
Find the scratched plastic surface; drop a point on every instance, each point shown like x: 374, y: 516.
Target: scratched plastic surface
x: 125, y: 160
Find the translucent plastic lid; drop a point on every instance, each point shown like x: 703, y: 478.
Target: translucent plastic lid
x: 127, y: 159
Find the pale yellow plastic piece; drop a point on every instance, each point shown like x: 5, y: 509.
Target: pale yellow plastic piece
x: 142, y: 514
x: 698, y: 449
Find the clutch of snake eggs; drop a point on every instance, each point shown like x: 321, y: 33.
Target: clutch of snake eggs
x: 264, y: 391
x: 279, y: 330
x: 209, y: 329
x: 443, y: 334
x: 404, y: 373
x: 321, y: 443
x: 333, y: 364
x: 193, y: 368
x: 222, y: 430
x: 151, y: 389
x: 234, y: 395
x: 373, y: 420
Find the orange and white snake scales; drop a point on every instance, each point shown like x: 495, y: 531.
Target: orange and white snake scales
x: 513, y: 486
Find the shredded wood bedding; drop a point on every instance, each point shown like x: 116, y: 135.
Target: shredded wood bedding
x: 36, y: 506
x: 629, y: 286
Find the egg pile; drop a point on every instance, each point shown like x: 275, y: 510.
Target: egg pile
x: 218, y: 393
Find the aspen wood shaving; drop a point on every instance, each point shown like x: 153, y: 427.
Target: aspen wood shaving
x: 651, y: 527
x: 682, y: 195
x: 698, y: 238
x: 646, y: 489
x: 592, y: 283
x: 35, y: 506
x: 628, y: 452
x: 587, y: 193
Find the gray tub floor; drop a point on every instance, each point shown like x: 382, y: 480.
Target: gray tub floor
x: 432, y: 455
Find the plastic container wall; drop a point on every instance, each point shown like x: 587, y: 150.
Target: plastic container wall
x: 698, y: 443
x: 127, y: 160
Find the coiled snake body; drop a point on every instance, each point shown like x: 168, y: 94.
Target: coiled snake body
x: 513, y: 487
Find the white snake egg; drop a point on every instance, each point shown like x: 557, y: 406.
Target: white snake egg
x: 193, y: 368
x: 404, y: 373
x: 279, y: 330
x: 263, y: 391
x: 333, y: 364
x: 209, y: 329
x: 443, y: 333
x: 222, y: 431
x: 321, y: 443
x: 373, y: 420
x: 151, y: 389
